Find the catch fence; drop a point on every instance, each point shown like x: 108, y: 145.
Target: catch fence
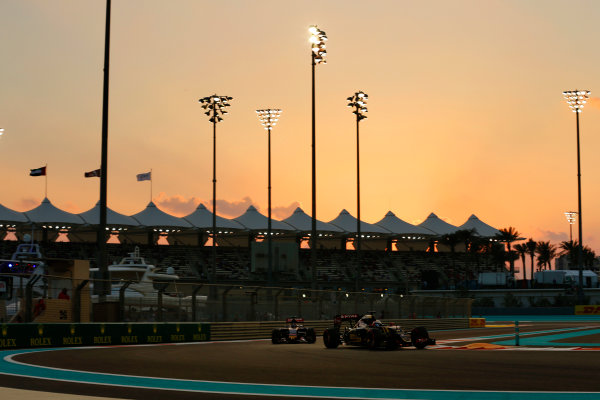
x: 29, y: 298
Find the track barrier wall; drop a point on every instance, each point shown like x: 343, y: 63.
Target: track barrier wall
x: 34, y: 335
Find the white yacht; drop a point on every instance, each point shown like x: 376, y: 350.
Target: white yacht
x: 143, y: 281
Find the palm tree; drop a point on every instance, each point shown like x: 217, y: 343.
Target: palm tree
x: 450, y: 240
x: 570, y: 248
x: 509, y: 235
x: 531, y: 246
x: 588, y: 257
x: 546, y: 252
x: 521, y: 249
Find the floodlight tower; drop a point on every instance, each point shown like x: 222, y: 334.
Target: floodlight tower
x: 215, y: 109
x: 318, y: 52
x: 576, y: 99
x: 268, y: 118
x: 571, y: 218
x: 358, y: 103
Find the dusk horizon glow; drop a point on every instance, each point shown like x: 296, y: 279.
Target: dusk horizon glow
x: 466, y: 112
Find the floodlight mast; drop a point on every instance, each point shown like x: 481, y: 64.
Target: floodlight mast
x: 318, y: 53
x: 268, y: 118
x: 576, y: 99
x: 358, y: 102
x: 571, y: 218
x: 215, y: 109
x: 103, y: 289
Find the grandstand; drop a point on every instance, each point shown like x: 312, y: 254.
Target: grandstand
x: 395, y: 255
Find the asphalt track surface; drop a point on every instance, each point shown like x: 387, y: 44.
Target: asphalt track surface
x: 466, y: 364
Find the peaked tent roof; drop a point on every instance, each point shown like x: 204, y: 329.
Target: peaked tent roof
x: 152, y: 216
x: 303, y: 222
x: 481, y: 228
x: 398, y: 226
x: 11, y: 216
x: 92, y: 217
x: 347, y: 222
x: 202, y: 218
x: 253, y: 220
x: 46, y: 213
x: 433, y: 223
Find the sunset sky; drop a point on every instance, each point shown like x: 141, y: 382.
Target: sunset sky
x: 466, y: 114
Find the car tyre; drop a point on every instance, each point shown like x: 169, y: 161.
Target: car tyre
x: 275, y: 337
x: 331, y: 338
x: 311, y: 335
x: 419, y: 337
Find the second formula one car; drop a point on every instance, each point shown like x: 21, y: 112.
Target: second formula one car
x: 366, y: 331
x: 294, y: 332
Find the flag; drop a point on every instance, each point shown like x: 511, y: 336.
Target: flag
x: 93, y: 173
x: 37, y: 171
x: 147, y: 176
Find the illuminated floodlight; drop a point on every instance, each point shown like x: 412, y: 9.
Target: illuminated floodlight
x: 269, y: 117
x: 317, y: 40
x: 571, y: 216
x: 358, y: 101
x: 576, y: 99
x: 215, y: 106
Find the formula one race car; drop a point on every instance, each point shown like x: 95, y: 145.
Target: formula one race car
x: 294, y: 332
x: 366, y: 331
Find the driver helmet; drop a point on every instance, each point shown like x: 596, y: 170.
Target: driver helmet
x: 368, y: 319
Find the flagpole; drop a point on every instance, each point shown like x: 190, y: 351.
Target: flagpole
x: 46, y: 181
x: 150, y: 184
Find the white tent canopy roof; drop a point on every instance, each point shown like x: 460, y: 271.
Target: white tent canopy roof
x: 347, y: 222
x: 92, y: 217
x: 202, y: 218
x: 481, y: 228
x: 152, y: 216
x: 11, y: 216
x: 400, y: 227
x: 46, y: 213
x: 253, y: 220
x: 303, y: 222
x: 433, y: 223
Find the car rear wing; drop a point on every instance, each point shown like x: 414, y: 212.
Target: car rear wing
x: 298, y: 320
x: 338, y: 319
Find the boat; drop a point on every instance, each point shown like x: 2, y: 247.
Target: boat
x: 141, y: 283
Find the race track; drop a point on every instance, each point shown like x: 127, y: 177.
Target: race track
x: 560, y: 361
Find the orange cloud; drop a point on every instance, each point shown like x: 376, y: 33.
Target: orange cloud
x: 181, y: 206
x: 284, y: 212
x: 177, y: 205
x: 28, y: 203
x: 594, y: 102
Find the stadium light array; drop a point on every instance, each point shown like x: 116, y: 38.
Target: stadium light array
x: 317, y: 40
x: 214, y: 107
x: 318, y: 52
x: 576, y: 99
x: 358, y: 102
x: 268, y: 118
